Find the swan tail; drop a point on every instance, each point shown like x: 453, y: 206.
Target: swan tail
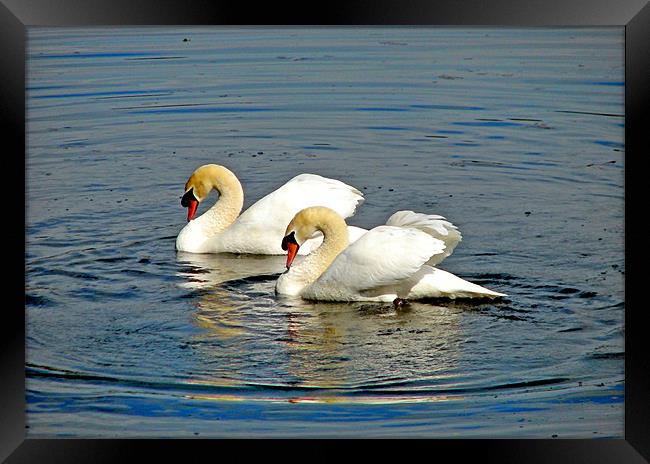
x: 435, y: 283
x: 432, y: 224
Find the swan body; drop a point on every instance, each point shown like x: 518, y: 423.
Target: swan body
x: 258, y: 230
x: 385, y: 263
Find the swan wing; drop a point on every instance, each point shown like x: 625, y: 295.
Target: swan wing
x: 263, y: 224
x: 278, y: 208
x: 432, y: 224
x: 382, y: 257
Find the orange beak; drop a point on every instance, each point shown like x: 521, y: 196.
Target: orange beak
x: 191, y: 209
x: 292, y: 249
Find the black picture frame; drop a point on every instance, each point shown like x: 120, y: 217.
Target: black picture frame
x: 17, y: 15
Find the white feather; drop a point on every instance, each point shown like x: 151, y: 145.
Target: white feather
x: 434, y: 225
x: 260, y: 229
x: 384, y: 256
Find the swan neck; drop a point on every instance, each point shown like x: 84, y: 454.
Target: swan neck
x: 335, y: 240
x: 229, y: 204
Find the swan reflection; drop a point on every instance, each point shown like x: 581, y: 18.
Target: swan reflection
x: 251, y: 336
x: 202, y: 271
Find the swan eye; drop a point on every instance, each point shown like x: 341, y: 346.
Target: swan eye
x: 291, y: 238
x: 188, y: 198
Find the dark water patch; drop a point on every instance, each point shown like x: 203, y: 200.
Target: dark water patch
x: 481, y: 304
x: 92, y: 294
x: 505, y: 307
x: 114, y: 259
x: 470, y: 162
x: 135, y: 96
x: 570, y: 329
x: 66, y: 273
x: 529, y: 384
x: 139, y: 273
x: 95, y: 94
x: 319, y: 147
x: 36, y: 371
x: 587, y: 294
x: 568, y: 290
x: 436, y: 136
x: 619, y: 305
x: 407, y: 388
x: 488, y: 123
x: 33, y: 370
x: 608, y: 143
x: 90, y: 55
x: 158, y: 58
x: 377, y: 108
x: 374, y: 309
x: 224, y: 109
x: 510, y: 317
x: 591, y: 113
x: 193, y: 270
x: 607, y: 355
x: 37, y: 300
x: 525, y: 119
x: 608, y: 83
x: 235, y: 283
x: 539, y: 163
x: 161, y: 106
x: 188, y: 295
x: 387, y: 128
x: 495, y: 277
x: 47, y: 87
x: 448, y: 107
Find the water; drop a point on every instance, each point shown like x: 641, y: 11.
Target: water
x: 514, y: 135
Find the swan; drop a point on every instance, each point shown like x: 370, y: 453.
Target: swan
x: 258, y: 230
x: 393, y: 262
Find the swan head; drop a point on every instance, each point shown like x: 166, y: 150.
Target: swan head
x: 305, y: 225
x: 201, y: 183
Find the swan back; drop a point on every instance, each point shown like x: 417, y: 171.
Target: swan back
x: 264, y: 223
x: 384, y: 255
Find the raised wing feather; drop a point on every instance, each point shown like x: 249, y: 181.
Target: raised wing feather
x: 384, y: 256
x: 432, y: 224
x: 274, y: 211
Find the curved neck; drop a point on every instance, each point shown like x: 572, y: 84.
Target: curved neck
x: 230, y: 203
x: 335, y: 240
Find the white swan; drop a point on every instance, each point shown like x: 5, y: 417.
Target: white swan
x: 388, y: 263
x: 259, y: 230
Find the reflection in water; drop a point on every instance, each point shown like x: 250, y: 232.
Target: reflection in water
x: 253, y: 337
x: 208, y: 270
